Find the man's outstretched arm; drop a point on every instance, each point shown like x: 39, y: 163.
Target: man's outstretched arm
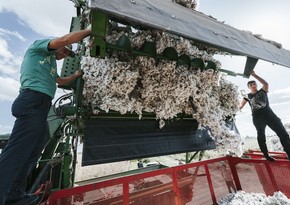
x: 68, y: 39
x: 66, y: 80
x: 244, y: 101
x: 261, y: 80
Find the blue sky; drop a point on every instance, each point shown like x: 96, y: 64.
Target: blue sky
x: 22, y: 22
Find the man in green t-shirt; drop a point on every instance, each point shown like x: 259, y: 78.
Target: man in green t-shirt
x: 38, y: 85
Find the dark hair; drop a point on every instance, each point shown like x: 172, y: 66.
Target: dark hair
x: 250, y: 82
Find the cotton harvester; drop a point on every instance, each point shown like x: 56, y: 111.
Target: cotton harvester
x: 129, y: 37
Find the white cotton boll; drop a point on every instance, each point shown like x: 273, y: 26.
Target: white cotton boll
x: 161, y: 124
x: 191, y: 4
x: 278, y: 198
x: 275, y: 143
x: 103, y: 80
x: 242, y: 197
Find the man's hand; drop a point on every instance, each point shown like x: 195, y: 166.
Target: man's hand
x: 252, y: 73
x: 69, y: 39
x: 78, y: 73
x: 261, y: 80
x: 66, y: 80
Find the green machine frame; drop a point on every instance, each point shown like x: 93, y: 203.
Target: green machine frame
x: 57, y: 163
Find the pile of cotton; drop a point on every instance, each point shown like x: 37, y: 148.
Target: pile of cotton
x: 126, y: 83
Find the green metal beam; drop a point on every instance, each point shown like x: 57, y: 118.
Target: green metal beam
x: 250, y: 65
x: 71, y: 65
x: 67, y: 178
x: 190, y: 158
x: 99, y: 30
x: 231, y: 73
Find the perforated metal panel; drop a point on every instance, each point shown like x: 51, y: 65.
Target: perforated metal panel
x: 71, y: 65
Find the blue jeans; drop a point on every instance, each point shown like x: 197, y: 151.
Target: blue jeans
x: 25, y: 144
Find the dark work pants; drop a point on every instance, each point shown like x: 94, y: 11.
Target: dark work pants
x: 261, y: 120
x: 26, y: 142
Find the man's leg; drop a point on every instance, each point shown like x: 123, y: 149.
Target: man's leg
x: 260, y: 125
x: 31, y: 111
x: 277, y: 126
x: 233, y: 186
x: 18, y: 188
x: 229, y: 187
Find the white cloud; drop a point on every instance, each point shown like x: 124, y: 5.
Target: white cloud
x: 4, y: 49
x: 10, y: 63
x: 281, y: 91
x: 4, y: 32
x: 9, y: 88
x: 49, y: 18
x: 279, y: 104
x: 5, y: 129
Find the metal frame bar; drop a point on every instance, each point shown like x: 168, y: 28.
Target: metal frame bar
x: 213, y: 197
x: 232, y: 161
x: 126, y: 180
x: 99, y: 30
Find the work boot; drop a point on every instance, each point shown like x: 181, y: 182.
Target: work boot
x: 269, y: 158
x: 288, y: 154
x: 30, y: 199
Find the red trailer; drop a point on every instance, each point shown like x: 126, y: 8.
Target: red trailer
x: 193, y: 183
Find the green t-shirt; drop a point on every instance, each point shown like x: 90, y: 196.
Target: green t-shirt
x: 39, y: 69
